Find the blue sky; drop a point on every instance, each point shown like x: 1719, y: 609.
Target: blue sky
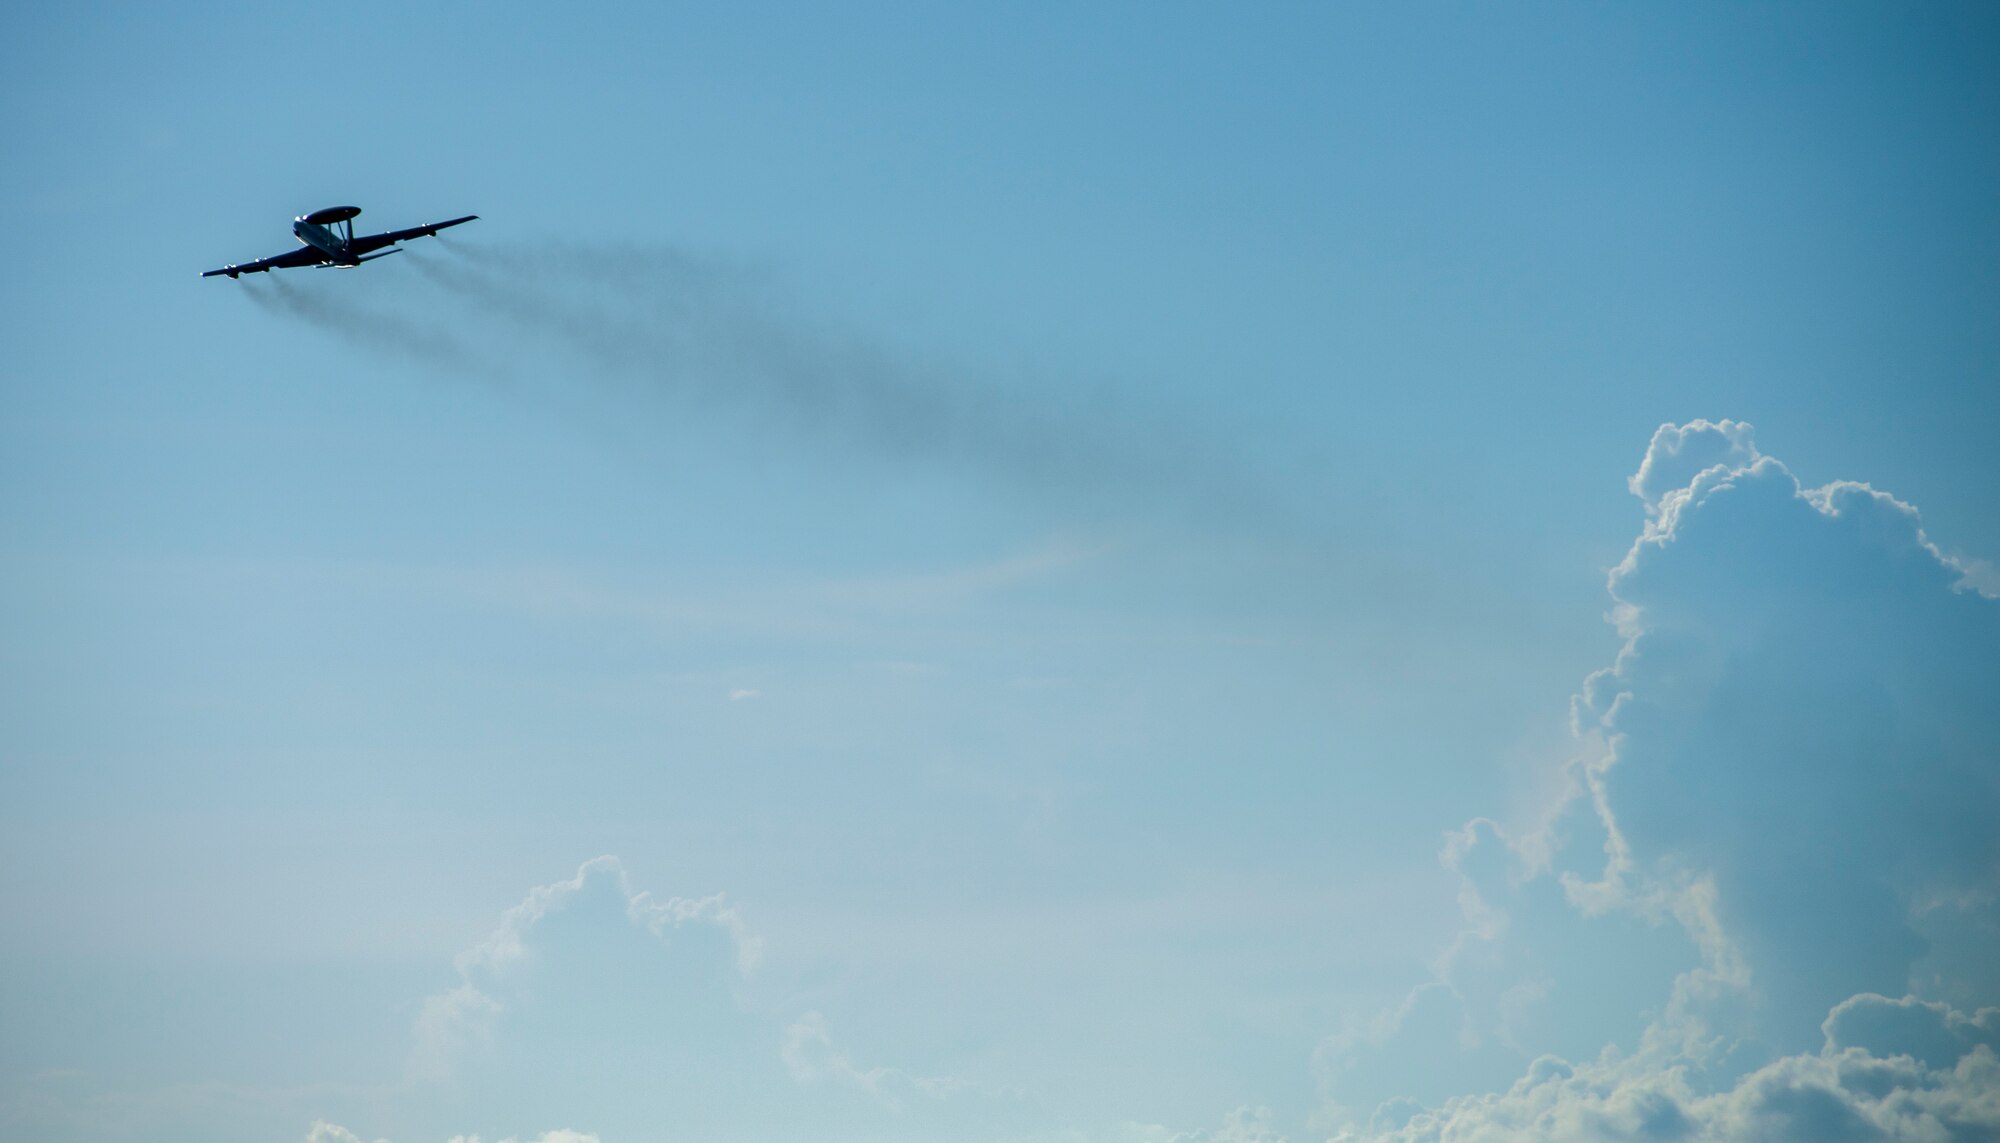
x: 1019, y: 574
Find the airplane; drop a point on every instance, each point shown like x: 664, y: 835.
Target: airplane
x: 328, y: 240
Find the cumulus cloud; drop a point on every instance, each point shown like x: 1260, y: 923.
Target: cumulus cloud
x: 1823, y: 1097
x: 1932, y: 1033
x: 1680, y: 453
x: 507, y: 944
x: 1801, y: 739
x: 1780, y: 815
x: 463, y: 1017
x: 590, y: 989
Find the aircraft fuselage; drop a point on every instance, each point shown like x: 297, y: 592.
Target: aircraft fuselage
x: 325, y: 241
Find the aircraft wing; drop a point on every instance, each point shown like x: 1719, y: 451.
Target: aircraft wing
x: 303, y: 256
x: 377, y: 241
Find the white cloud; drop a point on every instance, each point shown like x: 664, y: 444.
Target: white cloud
x: 1782, y: 814
x: 1846, y: 1094
x: 449, y: 1024
x: 559, y: 1135
x: 1679, y: 454
x: 1801, y: 738
x: 324, y: 1132
x: 1982, y: 576
x: 899, y: 1103
x: 569, y: 1004
x: 1246, y: 1124
x: 1930, y: 1032
x: 464, y: 1017
x: 811, y: 1056
x: 505, y: 945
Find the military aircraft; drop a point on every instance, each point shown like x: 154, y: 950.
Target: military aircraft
x: 328, y: 240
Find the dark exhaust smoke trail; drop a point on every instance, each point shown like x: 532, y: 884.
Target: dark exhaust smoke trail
x: 609, y: 341
x: 705, y: 334
x: 370, y: 329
